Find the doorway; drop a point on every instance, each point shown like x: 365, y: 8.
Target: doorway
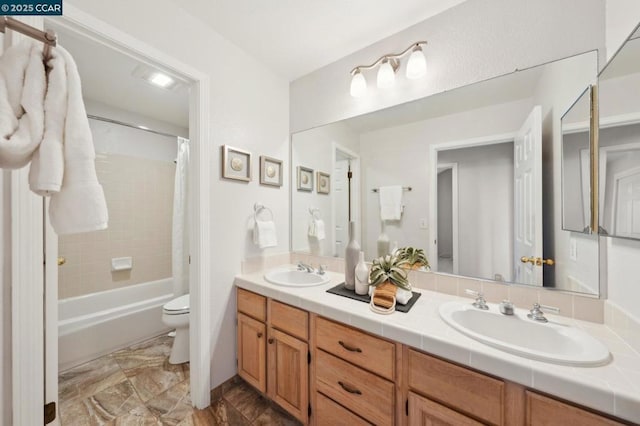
x: 345, y: 163
x: 448, y: 218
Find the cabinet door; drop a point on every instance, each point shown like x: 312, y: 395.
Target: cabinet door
x: 424, y: 412
x: 252, y: 352
x: 289, y: 373
x: 546, y: 411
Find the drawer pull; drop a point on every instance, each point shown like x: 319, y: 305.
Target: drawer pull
x: 259, y: 335
x: 348, y: 347
x: 349, y: 389
x: 270, y: 340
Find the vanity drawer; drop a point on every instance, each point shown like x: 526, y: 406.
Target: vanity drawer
x: 546, y: 411
x: 366, y: 351
x: 288, y: 319
x: 252, y: 304
x: 462, y: 389
x: 362, y: 392
x: 330, y: 413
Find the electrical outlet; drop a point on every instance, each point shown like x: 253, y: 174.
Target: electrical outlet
x: 424, y: 223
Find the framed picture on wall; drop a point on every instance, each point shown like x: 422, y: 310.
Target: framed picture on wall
x: 270, y: 171
x: 236, y: 164
x: 324, y: 182
x: 305, y: 179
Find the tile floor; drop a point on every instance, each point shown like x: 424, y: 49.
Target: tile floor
x: 138, y: 386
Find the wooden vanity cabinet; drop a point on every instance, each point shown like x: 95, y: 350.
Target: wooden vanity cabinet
x: 327, y: 373
x: 355, y: 371
x: 273, y: 353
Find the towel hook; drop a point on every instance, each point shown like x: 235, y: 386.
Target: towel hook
x: 314, y: 212
x: 257, y: 208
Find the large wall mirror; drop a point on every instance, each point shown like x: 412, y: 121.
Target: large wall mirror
x: 619, y: 141
x: 472, y: 176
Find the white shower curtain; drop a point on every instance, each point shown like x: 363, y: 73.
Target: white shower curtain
x: 180, y: 232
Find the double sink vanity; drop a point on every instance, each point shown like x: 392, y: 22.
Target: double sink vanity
x: 328, y: 359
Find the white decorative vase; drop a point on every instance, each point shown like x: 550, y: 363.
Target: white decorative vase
x: 362, y: 276
x: 383, y: 242
x: 352, y: 253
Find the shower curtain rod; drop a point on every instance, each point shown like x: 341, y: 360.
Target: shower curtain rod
x: 133, y: 126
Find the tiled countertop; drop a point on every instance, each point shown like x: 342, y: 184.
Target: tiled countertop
x: 613, y: 388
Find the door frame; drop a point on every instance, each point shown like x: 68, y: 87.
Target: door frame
x: 454, y: 210
x: 355, y: 191
x: 27, y: 237
x: 432, y: 162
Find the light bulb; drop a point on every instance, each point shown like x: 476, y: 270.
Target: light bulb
x: 386, y: 75
x: 417, y: 64
x: 358, y: 85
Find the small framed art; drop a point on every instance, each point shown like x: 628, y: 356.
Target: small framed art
x: 323, y: 182
x: 305, y: 179
x: 270, y: 171
x: 236, y: 164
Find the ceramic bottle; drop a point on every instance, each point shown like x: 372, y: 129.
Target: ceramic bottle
x: 383, y: 242
x: 362, y: 276
x: 352, y: 253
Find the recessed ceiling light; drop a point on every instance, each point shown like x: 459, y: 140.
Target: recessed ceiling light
x: 160, y: 79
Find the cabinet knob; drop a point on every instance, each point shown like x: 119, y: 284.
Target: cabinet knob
x: 349, y: 347
x: 270, y: 340
x: 61, y: 260
x: 349, y: 388
x: 259, y: 334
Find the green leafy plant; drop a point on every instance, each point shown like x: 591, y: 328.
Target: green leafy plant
x: 413, y: 257
x: 389, y: 268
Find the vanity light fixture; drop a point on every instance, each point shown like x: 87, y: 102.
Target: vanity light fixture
x: 388, y: 66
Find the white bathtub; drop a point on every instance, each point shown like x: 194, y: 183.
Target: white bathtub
x: 96, y: 324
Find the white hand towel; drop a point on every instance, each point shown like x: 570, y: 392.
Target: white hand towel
x: 320, y: 232
x: 80, y: 205
x: 311, y: 230
x: 390, y: 202
x: 264, y: 234
x: 22, y: 89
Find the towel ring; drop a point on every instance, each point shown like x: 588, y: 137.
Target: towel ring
x: 314, y: 212
x: 258, y: 208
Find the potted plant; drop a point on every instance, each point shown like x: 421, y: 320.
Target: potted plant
x: 413, y: 258
x: 389, y: 269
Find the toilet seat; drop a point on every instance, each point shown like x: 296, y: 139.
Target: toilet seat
x: 177, y: 306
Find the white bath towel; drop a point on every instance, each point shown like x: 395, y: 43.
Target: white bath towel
x: 22, y: 89
x: 264, y: 233
x: 390, y: 202
x: 80, y: 205
x: 317, y: 229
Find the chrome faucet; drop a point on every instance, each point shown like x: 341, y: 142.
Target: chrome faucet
x: 480, y: 303
x: 304, y: 267
x: 537, y: 314
x: 321, y: 269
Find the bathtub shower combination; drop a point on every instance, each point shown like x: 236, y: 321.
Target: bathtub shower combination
x: 99, y: 323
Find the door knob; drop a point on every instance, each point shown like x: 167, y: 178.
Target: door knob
x: 525, y: 259
x: 540, y: 261
x: 61, y: 260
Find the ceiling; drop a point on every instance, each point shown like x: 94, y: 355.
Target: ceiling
x: 296, y: 37
x: 107, y: 77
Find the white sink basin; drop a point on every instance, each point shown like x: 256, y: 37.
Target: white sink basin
x: 294, y: 278
x: 551, y: 342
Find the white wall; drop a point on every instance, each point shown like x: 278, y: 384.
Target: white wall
x: 249, y: 110
x: 400, y: 156
x: 314, y: 149
x: 622, y: 16
x: 470, y: 42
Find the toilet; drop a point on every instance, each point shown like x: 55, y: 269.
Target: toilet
x: 175, y: 314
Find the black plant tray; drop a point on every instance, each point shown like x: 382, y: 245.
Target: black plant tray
x: 340, y: 290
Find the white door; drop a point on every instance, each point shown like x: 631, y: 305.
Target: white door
x: 340, y: 187
x: 627, y: 205
x: 527, y: 199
